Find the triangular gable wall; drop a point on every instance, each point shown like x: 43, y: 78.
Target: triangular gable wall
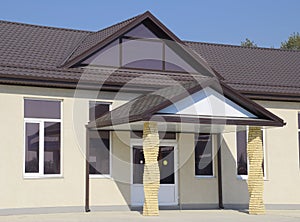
x: 140, y: 48
x: 207, y: 102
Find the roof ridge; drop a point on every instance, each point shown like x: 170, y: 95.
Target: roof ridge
x: 45, y: 26
x: 239, y: 46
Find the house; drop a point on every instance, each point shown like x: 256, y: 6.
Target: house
x: 132, y: 116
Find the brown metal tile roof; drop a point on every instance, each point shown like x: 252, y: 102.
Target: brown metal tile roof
x: 37, y: 46
x: 31, y: 55
x: 256, y: 70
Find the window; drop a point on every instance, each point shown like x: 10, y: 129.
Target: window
x: 42, y: 120
x: 140, y: 53
x: 99, y: 141
x: 242, y: 157
x: 140, y: 48
x: 204, y: 155
x: 162, y: 135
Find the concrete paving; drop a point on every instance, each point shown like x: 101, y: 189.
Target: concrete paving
x: 165, y: 216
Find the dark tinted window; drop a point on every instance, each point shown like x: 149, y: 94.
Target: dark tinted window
x: 140, y: 48
x: 203, y: 155
x: 138, y: 164
x: 42, y: 109
x: 241, y: 141
x: 140, y: 32
x: 108, y: 56
x: 97, y: 109
x: 32, y: 138
x: 142, y: 54
x: 242, y: 156
x: 162, y: 135
x: 99, y: 152
x: 99, y: 158
x: 52, y: 148
x: 174, y: 62
x: 166, y: 164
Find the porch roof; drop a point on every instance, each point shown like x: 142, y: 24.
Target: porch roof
x: 147, y: 108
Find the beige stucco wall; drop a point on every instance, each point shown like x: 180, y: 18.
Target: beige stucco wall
x: 282, y: 159
x: 68, y: 190
x: 283, y: 169
x: 282, y: 180
x: 193, y: 190
x: 114, y: 191
x: 235, y: 190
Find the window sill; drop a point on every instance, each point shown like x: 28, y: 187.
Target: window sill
x: 100, y: 176
x: 205, y: 177
x: 244, y: 177
x: 43, y: 177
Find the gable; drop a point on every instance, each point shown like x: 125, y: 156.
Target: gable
x: 207, y: 102
x: 140, y: 48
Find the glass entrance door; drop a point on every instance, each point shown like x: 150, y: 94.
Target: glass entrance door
x: 166, y: 162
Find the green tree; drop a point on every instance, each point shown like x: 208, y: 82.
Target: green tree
x: 292, y: 43
x: 248, y: 43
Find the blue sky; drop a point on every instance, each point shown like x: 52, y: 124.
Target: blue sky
x: 266, y: 22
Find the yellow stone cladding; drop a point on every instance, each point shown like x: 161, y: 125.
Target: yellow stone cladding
x: 255, y: 174
x: 151, y: 177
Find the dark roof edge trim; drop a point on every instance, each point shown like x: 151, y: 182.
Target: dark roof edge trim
x: 73, y: 85
x: 284, y: 97
x: 193, y: 120
x: 252, y: 106
x: 104, y: 42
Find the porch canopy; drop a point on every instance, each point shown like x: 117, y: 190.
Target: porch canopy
x: 204, y: 105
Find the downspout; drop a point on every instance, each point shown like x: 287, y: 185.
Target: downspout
x: 87, y: 172
x: 220, y: 182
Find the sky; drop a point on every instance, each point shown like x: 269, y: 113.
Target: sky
x: 266, y: 22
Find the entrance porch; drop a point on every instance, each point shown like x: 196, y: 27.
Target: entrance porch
x: 199, y: 115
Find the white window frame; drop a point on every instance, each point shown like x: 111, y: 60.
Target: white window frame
x: 41, y: 122
x: 264, y: 145
x: 212, y: 159
x: 103, y: 176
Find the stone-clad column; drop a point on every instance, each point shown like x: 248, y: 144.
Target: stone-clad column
x: 255, y: 174
x: 151, y: 178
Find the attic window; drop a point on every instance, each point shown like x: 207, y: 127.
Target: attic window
x: 107, y: 56
x: 139, y: 48
x: 141, y: 32
x: 142, y: 54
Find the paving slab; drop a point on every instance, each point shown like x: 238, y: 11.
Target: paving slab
x: 165, y: 216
